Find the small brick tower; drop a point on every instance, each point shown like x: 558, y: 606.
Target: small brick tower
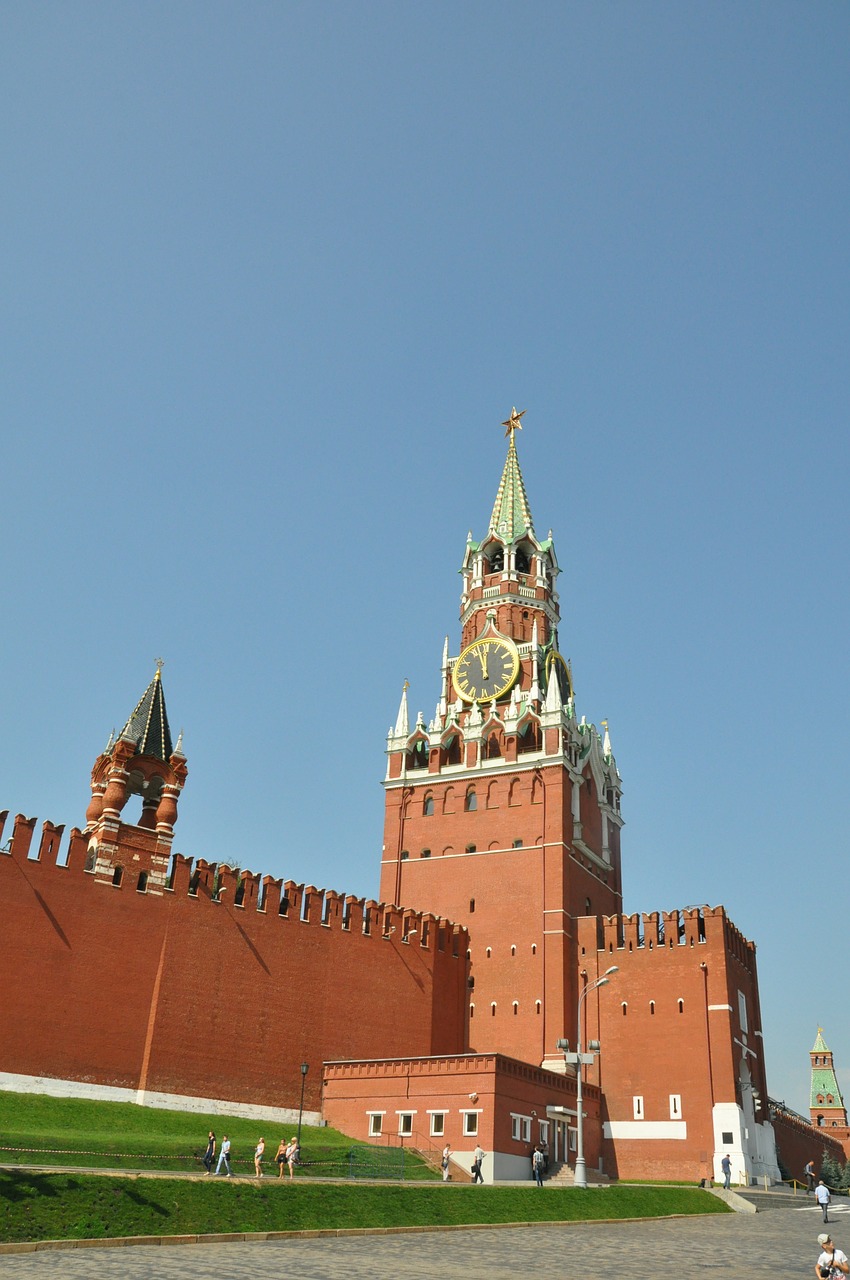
x: 141, y: 762
x: 504, y: 810
x: 827, y: 1105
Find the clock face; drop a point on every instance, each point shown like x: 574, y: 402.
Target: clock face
x: 486, y: 669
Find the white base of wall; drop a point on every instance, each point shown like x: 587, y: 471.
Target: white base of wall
x: 163, y: 1101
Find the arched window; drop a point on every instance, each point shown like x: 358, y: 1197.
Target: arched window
x: 681, y: 1006
x: 493, y: 1009
x: 652, y: 1008
x: 537, y: 1007
x: 516, y: 1007
x: 625, y: 1008
x: 142, y: 882
x: 528, y: 738
x: 417, y: 756
x: 521, y: 561
x: 451, y: 750
x: 497, y: 561
x: 117, y: 876
x: 493, y: 749
x: 428, y: 805
x: 471, y: 802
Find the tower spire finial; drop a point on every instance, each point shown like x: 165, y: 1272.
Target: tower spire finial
x: 513, y: 423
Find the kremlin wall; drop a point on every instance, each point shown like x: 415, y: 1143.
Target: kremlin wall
x: 434, y: 1014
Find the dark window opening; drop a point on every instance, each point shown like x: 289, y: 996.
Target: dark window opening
x: 117, y: 875
x: 142, y: 883
x: 471, y: 803
x: 428, y: 807
x: 426, y: 853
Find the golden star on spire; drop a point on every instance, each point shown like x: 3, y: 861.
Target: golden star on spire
x: 513, y: 423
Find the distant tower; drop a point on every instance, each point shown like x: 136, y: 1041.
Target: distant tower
x: 827, y: 1105
x: 141, y: 762
x: 503, y: 811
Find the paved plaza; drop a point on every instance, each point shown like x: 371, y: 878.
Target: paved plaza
x: 778, y: 1243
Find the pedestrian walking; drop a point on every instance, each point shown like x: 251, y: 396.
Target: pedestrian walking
x: 726, y: 1166
x: 444, y: 1162
x: 209, y: 1154
x: 224, y: 1157
x: 292, y: 1155
x: 823, y: 1198
x: 259, y: 1152
x: 477, y: 1161
x: 809, y: 1175
x: 832, y: 1262
x: 280, y: 1158
x: 537, y: 1166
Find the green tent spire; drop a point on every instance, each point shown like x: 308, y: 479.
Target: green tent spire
x: 511, y: 516
x: 148, y: 725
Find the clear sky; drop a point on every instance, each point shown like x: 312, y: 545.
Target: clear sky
x: 273, y: 274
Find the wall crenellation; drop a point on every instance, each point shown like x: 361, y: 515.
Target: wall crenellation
x: 243, y: 890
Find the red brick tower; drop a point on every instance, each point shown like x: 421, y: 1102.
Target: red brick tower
x: 826, y: 1105
x: 142, y: 762
x: 504, y: 811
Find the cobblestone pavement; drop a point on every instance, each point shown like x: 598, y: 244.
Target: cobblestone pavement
x: 778, y: 1244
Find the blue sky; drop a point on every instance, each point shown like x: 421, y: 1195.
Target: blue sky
x: 274, y: 274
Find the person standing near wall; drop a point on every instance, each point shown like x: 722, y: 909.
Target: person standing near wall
x: 209, y: 1154
x: 444, y: 1162
x: 537, y: 1166
x: 809, y: 1175
x: 726, y: 1166
x: 259, y: 1152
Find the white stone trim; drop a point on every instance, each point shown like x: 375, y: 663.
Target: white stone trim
x: 160, y: 1101
x: 654, y: 1130
x: 716, y: 1008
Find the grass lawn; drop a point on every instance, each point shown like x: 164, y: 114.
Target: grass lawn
x: 37, y: 1206
x: 36, y: 1129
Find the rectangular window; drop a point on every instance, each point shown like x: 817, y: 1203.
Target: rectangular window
x: 376, y: 1124
x: 438, y: 1124
x: 742, y: 1011
x: 470, y: 1124
x: 405, y: 1124
x: 637, y: 1104
x: 544, y: 1130
x: 573, y: 1134
x: 675, y: 1106
x: 520, y: 1128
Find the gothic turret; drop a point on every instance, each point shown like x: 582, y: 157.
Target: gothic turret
x: 143, y: 763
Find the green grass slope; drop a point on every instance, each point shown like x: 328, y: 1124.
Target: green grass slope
x: 68, y: 1206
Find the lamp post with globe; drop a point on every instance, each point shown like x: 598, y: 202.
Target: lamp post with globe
x: 580, y: 1060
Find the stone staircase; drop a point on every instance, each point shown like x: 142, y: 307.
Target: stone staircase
x: 564, y: 1175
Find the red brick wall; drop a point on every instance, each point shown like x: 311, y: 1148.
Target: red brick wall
x: 798, y: 1142
x: 520, y: 927
x: 183, y: 994
x: 659, y: 1048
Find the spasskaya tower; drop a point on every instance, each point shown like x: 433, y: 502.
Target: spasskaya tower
x: 503, y: 812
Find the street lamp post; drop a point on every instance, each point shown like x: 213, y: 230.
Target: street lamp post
x: 581, y: 1060
x: 305, y: 1067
